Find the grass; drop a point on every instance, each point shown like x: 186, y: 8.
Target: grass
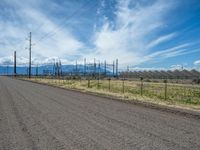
x: 180, y: 95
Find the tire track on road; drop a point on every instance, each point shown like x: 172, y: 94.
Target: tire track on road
x: 61, y: 119
x: 109, y: 125
x: 23, y: 128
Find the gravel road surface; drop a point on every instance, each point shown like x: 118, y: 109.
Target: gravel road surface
x: 39, y: 117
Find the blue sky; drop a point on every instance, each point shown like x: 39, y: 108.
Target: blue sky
x: 140, y: 33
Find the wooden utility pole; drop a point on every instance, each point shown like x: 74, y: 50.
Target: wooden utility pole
x: 113, y: 68
x: 94, y: 67
x: 15, y: 69
x: 76, y: 68
x: 116, y: 67
x: 105, y: 67
x: 165, y: 81
x: 99, y: 69
x: 30, y: 55
x: 141, y: 86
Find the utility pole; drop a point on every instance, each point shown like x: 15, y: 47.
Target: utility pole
x: 117, y: 68
x: 105, y: 67
x: 99, y: 69
x: 113, y: 68
x: 15, y: 69
x: 76, y: 68
x: 30, y: 55
x: 60, y: 66
x: 94, y: 66
x: 127, y: 71
x: 127, y: 68
x: 53, y: 73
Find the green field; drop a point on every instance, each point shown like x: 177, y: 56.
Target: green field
x: 161, y: 93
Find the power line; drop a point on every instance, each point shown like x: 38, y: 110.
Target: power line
x: 62, y: 23
x: 53, y: 32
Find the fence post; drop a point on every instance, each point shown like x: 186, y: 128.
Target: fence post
x: 88, y: 82
x: 123, y: 85
x: 109, y: 84
x: 98, y: 82
x: 165, y: 81
x: 141, y: 86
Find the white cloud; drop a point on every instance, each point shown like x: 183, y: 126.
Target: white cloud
x: 172, y: 68
x: 62, y: 44
x: 147, y: 68
x: 171, y: 52
x: 197, y: 62
x: 161, y: 40
x: 9, y: 60
x: 58, y: 44
x: 176, y: 67
x: 125, y: 38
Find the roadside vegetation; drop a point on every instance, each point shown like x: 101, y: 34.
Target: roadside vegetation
x: 183, y: 95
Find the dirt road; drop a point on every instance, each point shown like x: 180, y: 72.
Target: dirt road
x: 38, y: 117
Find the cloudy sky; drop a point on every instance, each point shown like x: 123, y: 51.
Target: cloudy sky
x: 140, y: 33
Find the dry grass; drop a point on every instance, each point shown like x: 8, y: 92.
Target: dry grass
x: 178, y: 95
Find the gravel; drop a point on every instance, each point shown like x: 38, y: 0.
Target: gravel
x: 39, y: 117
